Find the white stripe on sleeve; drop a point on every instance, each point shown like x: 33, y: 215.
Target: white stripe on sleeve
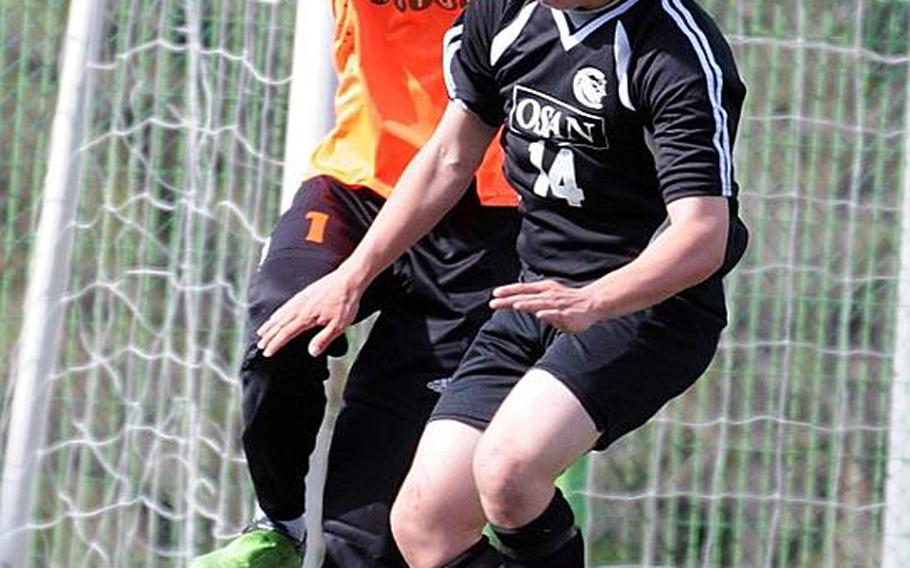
x: 510, y: 33
x: 622, y: 53
x: 451, y: 43
x: 715, y: 79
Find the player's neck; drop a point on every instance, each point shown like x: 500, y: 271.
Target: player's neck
x: 579, y: 6
x: 596, y: 5
x: 581, y: 16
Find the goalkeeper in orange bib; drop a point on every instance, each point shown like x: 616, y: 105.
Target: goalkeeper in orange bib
x: 391, y: 94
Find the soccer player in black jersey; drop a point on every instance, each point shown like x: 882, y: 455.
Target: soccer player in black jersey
x: 619, y: 118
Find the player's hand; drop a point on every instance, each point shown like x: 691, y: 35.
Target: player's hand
x: 330, y: 303
x: 571, y: 310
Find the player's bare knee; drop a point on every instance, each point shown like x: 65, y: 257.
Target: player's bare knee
x: 409, y: 527
x: 413, y: 540
x: 426, y: 528
x: 401, y: 522
x: 506, y: 480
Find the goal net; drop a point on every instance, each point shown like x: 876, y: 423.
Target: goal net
x: 181, y: 181
x: 778, y: 457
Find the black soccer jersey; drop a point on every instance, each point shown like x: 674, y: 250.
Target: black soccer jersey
x: 606, y: 116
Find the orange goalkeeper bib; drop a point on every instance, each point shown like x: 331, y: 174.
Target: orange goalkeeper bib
x: 391, y: 95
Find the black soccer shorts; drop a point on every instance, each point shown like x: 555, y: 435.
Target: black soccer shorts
x: 622, y: 370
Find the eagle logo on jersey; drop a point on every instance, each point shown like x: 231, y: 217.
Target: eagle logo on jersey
x: 590, y: 87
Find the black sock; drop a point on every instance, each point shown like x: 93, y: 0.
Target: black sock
x: 550, y: 541
x: 481, y: 555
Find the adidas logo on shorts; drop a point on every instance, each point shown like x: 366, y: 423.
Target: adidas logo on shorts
x: 439, y: 385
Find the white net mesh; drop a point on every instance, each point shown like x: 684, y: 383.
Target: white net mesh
x: 777, y: 457
x: 180, y: 185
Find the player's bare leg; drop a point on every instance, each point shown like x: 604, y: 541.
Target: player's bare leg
x: 540, y: 429
x: 437, y: 515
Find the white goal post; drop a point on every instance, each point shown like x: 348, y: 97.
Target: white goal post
x: 896, y: 538
x: 37, y: 352
x: 309, y: 118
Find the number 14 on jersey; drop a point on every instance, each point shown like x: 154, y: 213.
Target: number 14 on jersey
x: 560, y: 179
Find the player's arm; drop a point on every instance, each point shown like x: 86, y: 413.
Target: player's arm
x: 688, y: 252
x: 432, y: 184
x: 429, y: 187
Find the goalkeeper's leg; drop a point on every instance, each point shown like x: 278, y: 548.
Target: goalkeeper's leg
x: 283, y: 395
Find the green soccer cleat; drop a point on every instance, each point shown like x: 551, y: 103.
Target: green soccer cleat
x: 258, y: 547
